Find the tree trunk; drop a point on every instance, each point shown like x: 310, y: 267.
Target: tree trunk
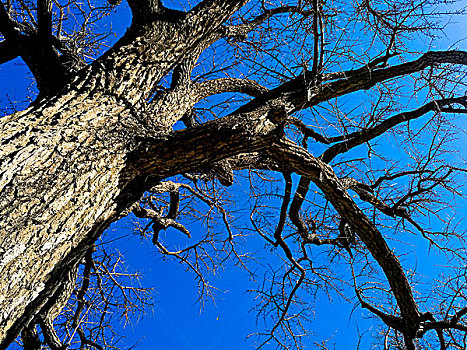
x: 72, y: 166
x: 66, y: 166
x: 64, y: 178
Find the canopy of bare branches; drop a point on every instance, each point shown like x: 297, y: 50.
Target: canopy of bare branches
x: 329, y: 129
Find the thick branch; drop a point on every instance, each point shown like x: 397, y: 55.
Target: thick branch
x: 160, y: 222
x: 317, y: 46
x: 149, y: 51
x: 44, y: 20
x: 297, y: 202
x: 190, y: 149
x: 390, y: 320
x: 144, y: 11
x: 294, y: 95
x: 322, y: 175
x: 35, y: 48
x: 50, y: 336
x: 360, y: 137
x: 30, y: 338
x: 214, y: 12
x: 188, y: 94
x: 221, y: 85
x: 284, y: 207
x: 8, y: 51
x: 7, y: 26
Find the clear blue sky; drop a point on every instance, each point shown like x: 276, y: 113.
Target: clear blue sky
x: 177, y: 322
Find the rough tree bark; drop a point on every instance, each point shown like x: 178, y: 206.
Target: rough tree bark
x: 67, y: 166
x: 85, y: 151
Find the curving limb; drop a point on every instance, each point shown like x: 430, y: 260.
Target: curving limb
x: 323, y: 176
x: 360, y: 137
x: 160, y: 222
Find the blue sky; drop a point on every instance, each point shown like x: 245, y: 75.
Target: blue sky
x: 177, y: 321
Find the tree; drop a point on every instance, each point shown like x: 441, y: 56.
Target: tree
x: 308, y: 104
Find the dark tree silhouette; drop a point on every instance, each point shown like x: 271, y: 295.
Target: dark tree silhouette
x: 341, y: 129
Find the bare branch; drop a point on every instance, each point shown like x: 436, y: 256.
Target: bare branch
x: 357, y: 138
x: 44, y: 21
x: 323, y: 176
x: 243, y: 29
x: 7, y: 27
x: 294, y: 94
